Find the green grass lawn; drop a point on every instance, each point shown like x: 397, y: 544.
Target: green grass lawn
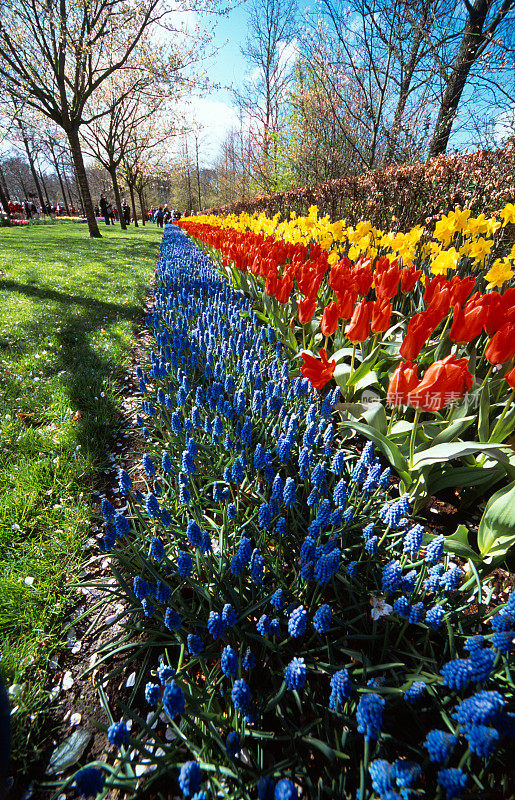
x: 68, y: 307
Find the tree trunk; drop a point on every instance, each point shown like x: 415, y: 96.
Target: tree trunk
x: 43, y: 184
x: 70, y: 196
x: 32, y: 167
x: 82, y: 181
x: 133, y: 204
x: 473, y: 37
x: 117, y: 198
x: 198, y: 177
x: 3, y: 184
x: 58, y: 172
x: 3, y: 200
x: 404, y: 92
x: 142, y: 206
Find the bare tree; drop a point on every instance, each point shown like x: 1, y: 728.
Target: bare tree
x: 269, y: 46
x: 55, y: 54
x: 483, y: 19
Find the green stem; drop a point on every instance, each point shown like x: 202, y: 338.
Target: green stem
x: 352, y: 359
x: 392, y: 418
x: 489, y: 372
x: 449, y: 317
x: 505, y: 411
x: 413, y: 438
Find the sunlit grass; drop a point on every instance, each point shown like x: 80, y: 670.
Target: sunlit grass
x: 68, y: 306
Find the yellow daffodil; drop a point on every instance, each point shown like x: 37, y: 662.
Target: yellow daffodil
x: 444, y: 261
x: 508, y: 213
x: 500, y: 272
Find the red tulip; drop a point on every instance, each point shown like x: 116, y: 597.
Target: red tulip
x: 330, y: 318
x: 409, y: 277
x: 346, y: 302
x: 510, y: 377
x: 467, y: 323
x: 502, y: 345
x: 420, y: 328
x: 439, y: 305
x: 381, y: 313
x: 403, y: 380
x: 434, y: 286
x: 460, y: 289
x: 284, y: 289
x: 307, y: 308
x: 363, y: 274
x: 358, y: 328
x: 444, y: 381
x: 386, y: 278
x: 494, y: 312
x: 318, y: 371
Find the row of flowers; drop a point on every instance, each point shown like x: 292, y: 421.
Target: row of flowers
x: 379, y: 311
x: 300, y: 635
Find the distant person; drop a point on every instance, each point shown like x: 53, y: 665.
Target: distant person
x: 126, y: 213
x: 33, y: 209
x: 26, y: 207
x: 104, y: 209
x: 96, y: 211
x: 159, y: 217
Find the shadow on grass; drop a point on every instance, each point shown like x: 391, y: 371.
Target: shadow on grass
x: 85, y: 371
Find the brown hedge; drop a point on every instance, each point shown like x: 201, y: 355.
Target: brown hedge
x: 403, y: 196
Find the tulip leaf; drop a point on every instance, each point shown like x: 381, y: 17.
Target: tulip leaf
x: 496, y: 532
x: 390, y: 450
x: 458, y: 543
x: 401, y: 428
x: 453, y: 430
x: 365, y: 367
x: 483, y: 425
x: 345, y: 351
x: 506, y: 427
x: 341, y: 375
x: 467, y: 476
x: 368, y: 380
x: 450, y: 450
x: 375, y: 416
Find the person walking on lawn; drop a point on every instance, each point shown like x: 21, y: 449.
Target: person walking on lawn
x: 126, y: 212
x: 104, y: 209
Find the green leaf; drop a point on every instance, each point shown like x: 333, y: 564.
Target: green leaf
x: 458, y: 543
x: 375, y: 416
x: 367, y: 380
x: 344, y: 351
x: 467, y: 476
x: 446, y: 452
x: 341, y: 374
x: 365, y: 367
x: 390, y: 450
x: 483, y: 425
x: 506, y: 427
x: 496, y: 532
x: 327, y: 751
x: 452, y: 431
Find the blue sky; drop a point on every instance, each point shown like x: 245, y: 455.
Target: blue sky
x: 216, y: 111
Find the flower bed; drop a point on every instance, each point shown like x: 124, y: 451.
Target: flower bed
x: 296, y: 634
x: 415, y: 337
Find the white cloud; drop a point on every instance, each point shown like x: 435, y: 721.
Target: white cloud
x: 504, y: 125
x: 288, y: 53
x: 210, y: 120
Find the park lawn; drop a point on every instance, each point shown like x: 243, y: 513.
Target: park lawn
x: 68, y: 309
